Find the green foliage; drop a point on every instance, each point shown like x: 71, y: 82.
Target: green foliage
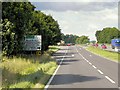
x: 20, y: 19
x: 8, y: 37
x: 15, y: 16
x: 22, y: 73
x: 47, y: 27
x: 82, y: 40
x: 107, y: 34
x: 69, y: 38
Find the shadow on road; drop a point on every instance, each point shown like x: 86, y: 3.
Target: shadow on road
x: 70, y: 78
x: 70, y: 60
x: 59, y: 54
x: 67, y: 62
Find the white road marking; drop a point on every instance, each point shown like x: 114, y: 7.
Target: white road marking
x: 50, y: 80
x: 94, y: 66
x: 90, y: 63
x: 73, y: 55
x: 100, y: 71
x: 87, y: 61
x: 110, y: 79
x: 103, y: 57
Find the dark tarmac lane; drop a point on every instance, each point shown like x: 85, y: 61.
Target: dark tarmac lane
x: 83, y: 70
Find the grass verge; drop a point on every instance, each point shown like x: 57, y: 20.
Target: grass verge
x: 52, y: 49
x: 110, y: 55
x: 19, y: 72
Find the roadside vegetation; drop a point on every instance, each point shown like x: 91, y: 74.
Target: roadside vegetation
x: 108, y: 33
x: 27, y: 71
x: 52, y: 49
x: 20, y: 19
x: 21, y: 70
x: 107, y: 54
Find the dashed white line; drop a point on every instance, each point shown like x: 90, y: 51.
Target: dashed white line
x: 87, y: 60
x: 73, y: 55
x: 90, y: 63
x: 94, y: 66
x: 100, y: 71
x: 110, y: 79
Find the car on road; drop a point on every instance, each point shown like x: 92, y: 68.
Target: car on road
x: 68, y: 44
x: 104, y: 46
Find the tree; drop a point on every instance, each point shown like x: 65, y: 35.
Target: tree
x: 19, y: 14
x: 105, y: 35
x: 24, y: 20
x: 82, y: 40
x: 69, y: 38
x: 47, y: 27
x: 8, y: 37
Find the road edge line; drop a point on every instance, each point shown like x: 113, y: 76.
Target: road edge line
x: 51, y: 78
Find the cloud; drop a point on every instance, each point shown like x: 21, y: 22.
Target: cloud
x: 85, y: 23
x: 83, y: 18
x: 73, y: 0
x: 74, y: 6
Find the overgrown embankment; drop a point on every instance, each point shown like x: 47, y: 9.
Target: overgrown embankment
x: 26, y: 72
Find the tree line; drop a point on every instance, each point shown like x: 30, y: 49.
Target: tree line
x: 82, y: 40
x: 70, y: 38
x: 20, y: 19
x: 108, y: 33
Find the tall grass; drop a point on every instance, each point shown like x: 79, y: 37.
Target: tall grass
x: 19, y: 72
x: 110, y: 55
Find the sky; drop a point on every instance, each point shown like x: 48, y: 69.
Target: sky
x: 81, y: 18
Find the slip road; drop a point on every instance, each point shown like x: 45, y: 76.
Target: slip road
x: 81, y: 69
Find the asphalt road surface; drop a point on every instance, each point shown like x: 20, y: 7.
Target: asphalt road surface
x: 81, y: 69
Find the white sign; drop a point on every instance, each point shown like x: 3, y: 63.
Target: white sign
x: 32, y: 43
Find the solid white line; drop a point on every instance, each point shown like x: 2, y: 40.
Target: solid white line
x: 94, y: 66
x: 110, y: 79
x: 100, y: 71
x: 50, y: 80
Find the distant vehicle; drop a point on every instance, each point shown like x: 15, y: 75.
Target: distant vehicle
x: 68, y: 44
x: 115, y: 44
x: 73, y: 43
x: 104, y: 46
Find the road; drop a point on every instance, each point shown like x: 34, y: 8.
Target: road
x: 82, y: 69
